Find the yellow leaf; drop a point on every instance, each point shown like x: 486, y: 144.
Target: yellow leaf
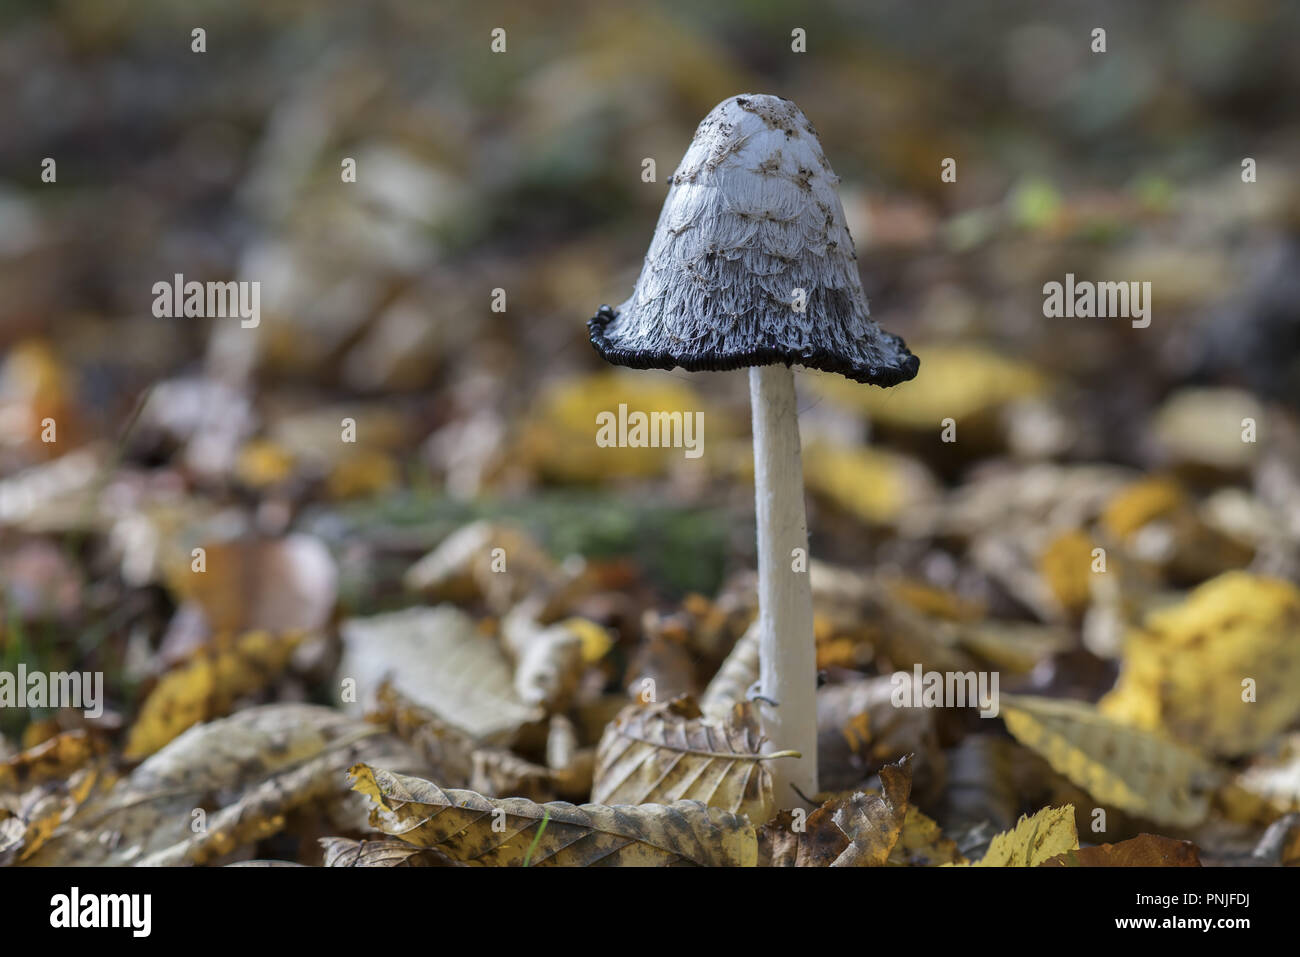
x: 872, y: 484
x: 559, y: 441
x: 54, y: 758
x: 1066, y: 565
x: 1220, y: 670
x: 363, y: 473
x: 959, y: 382
x: 207, y: 685
x: 1033, y: 840
x: 262, y: 463
x: 1135, y: 770
x: 1149, y: 498
x: 596, y: 641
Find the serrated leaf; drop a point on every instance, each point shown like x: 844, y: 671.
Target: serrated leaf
x: 1033, y: 840
x: 481, y: 831
x: 669, y: 752
x: 1137, y: 771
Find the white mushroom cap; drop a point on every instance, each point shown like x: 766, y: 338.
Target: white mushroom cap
x: 752, y: 216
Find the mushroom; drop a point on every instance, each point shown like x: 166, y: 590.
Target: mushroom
x: 752, y: 265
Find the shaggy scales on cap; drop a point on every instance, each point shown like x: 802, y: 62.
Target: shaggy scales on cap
x: 752, y: 222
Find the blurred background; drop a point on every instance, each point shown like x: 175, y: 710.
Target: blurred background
x: 521, y: 171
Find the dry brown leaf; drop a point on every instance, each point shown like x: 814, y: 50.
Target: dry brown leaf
x: 572, y: 767
x: 460, y: 824
x: 873, y: 823
x: 669, y: 752
x: 1145, y: 850
x: 859, y: 729
x: 796, y: 839
x: 279, y: 585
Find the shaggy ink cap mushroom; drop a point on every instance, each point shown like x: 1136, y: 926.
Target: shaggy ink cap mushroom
x: 752, y: 215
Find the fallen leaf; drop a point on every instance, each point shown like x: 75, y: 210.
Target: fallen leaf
x: 460, y: 824
x: 438, y: 659
x: 448, y: 751
x: 53, y: 759
x: 1135, y: 770
x: 207, y: 685
x: 923, y: 844
x: 859, y: 729
x: 873, y: 823
x: 796, y: 839
x: 873, y: 485
x: 277, y: 585
x: 559, y: 439
x: 670, y: 752
x: 495, y: 561
x: 1145, y: 850
x: 344, y: 852
x: 961, y: 382
x: 1219, y: 670
x: 1033, y: 840
x: 548, y: 658
x: 245, y: 774
x: 733, y: 679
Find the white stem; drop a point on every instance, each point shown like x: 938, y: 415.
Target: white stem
x: 787, y: 654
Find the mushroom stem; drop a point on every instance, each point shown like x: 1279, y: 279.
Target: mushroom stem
x: 787, y: 654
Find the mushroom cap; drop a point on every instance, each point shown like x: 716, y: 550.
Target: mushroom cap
x: 752, y: 217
